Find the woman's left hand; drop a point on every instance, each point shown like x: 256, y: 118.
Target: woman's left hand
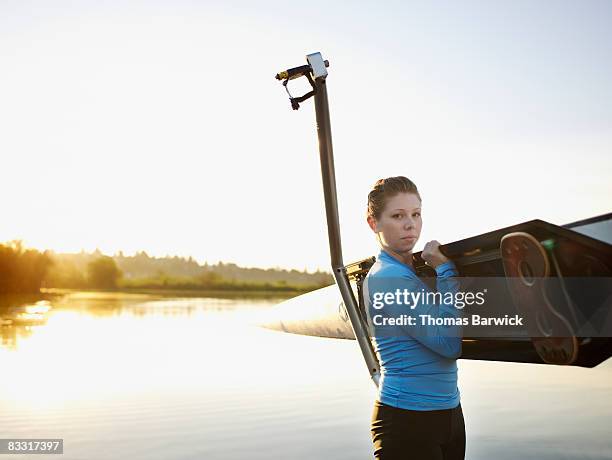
x: 432, y: 255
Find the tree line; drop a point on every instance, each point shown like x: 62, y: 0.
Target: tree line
x: 22, y: 270
x: 27, y: 270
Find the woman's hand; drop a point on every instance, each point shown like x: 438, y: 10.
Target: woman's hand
x: 431, y: 254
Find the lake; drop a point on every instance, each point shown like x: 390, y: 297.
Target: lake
x: 151, y: 377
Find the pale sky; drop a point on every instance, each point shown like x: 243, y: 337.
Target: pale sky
x: 158, y: 126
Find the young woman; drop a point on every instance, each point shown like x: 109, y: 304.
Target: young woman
x: 418, y: 413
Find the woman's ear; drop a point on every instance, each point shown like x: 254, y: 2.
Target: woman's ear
x: 372, y: 224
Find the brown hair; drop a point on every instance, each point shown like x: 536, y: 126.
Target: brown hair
x: 387, y: 188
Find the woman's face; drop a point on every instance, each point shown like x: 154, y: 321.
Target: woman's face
x: 399, y: 226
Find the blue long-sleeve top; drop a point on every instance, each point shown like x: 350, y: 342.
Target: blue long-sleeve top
x: 418, y: 363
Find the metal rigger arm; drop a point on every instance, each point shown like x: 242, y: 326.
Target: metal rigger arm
x: 316, y: 73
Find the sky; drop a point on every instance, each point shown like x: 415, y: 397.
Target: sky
x: 159, y: 126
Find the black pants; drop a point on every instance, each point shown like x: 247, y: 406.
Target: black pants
x: 400, y: 434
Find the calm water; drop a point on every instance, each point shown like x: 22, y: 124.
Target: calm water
x: 143, y: 377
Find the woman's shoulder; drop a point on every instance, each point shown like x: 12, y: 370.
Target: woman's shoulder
x: 386, y: 268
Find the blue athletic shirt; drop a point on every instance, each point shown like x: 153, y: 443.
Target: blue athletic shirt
x: 418, y: 365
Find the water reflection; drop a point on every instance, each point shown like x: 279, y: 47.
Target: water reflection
x: 20, y: 316
x: 148, y: 377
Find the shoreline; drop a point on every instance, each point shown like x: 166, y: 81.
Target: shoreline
x: 169, y: 292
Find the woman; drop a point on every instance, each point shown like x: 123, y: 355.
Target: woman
x: 418, y: 413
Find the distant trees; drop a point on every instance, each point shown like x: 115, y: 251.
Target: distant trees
x: 209, y: 280
x: 103, y: 273
x: 141, y: 271
x: 27, y: 270
x: 22, y: 270
x: 66, y: 273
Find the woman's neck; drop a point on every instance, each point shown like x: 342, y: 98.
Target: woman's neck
x: 405, y: 258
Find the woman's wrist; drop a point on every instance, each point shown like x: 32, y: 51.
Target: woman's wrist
x: 444, y: 267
